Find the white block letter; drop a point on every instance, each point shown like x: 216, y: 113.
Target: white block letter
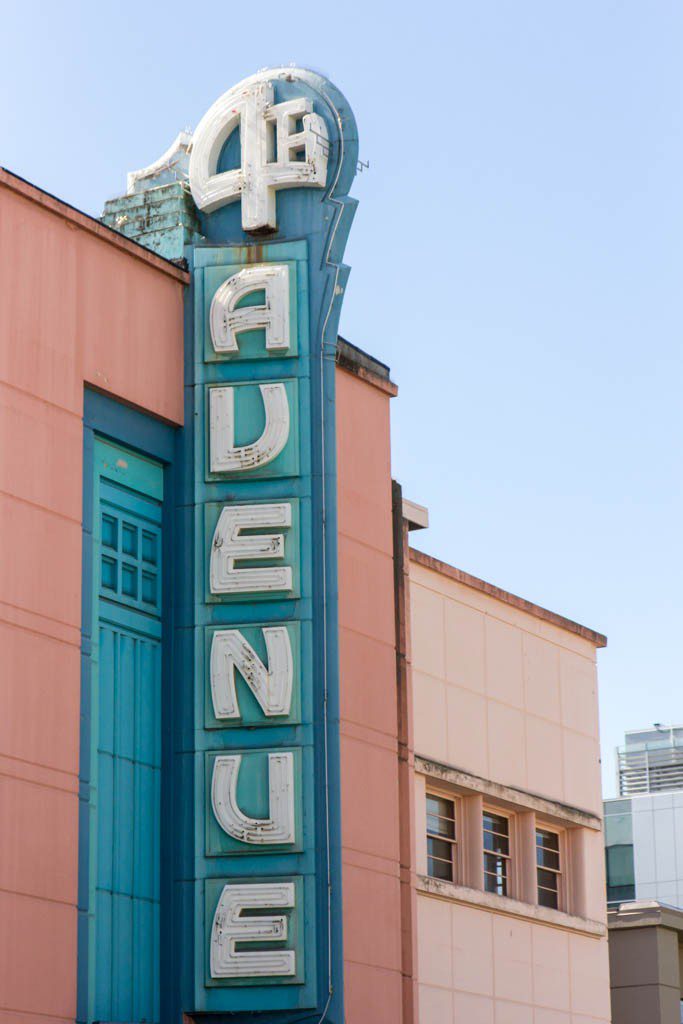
x: 278, y: 827
x: 230, y: 928
x: 224, y: 456
x: 230, y: 545
x: 271, y: 686
x: 283, y: 145
x: 226, y: 322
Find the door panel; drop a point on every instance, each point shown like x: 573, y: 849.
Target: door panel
x: 126, y: 792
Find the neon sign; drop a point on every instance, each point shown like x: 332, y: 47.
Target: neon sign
x: 275, y: 154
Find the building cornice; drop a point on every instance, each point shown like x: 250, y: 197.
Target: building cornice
x: 450, y: 891
x: 429, y: 562
x: 354, y: 360
x: 561, y: 813
x: 90, y: 224
x: 645, y: 914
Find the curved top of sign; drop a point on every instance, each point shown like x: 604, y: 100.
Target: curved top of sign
x: 283, y: 128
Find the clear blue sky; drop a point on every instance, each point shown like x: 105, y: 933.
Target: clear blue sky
x: 517, y: 259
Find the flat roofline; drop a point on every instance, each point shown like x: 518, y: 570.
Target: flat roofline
x: 651, y: 728
x: 353, y: 359
x: 82, y: 220
x: 598, y: 639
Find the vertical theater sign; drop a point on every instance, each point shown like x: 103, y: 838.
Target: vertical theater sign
x: 270, y: 170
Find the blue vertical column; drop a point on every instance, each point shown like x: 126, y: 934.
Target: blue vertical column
x: 255, y: 839
x: 259, y: 886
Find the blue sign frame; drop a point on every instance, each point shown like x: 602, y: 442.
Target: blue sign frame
x: 312, y: 229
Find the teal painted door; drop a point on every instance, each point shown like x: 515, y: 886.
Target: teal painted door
x: 126, y: 748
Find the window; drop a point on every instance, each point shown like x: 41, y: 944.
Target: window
x: 496, y: 853
x: 440, y: 837
x: 621, y: 885
x: 548, y: 868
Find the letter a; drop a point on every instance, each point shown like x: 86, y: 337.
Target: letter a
x: 226, y: 321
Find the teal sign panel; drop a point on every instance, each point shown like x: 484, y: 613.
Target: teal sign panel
x: 271, y: 166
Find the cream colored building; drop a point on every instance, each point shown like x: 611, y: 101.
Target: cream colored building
x: 510, y: 888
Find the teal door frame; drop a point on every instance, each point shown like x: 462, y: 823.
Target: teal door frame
x: 125, y: 766
x: 155, y: 444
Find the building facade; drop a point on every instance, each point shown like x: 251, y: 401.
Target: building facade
x: 644, y: 825
x: 511, y: 922
x: 646, y: 963
x: 261, y: 760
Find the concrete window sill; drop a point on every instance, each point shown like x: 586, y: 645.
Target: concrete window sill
x: 504, y: 905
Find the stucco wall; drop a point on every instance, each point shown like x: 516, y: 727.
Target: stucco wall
x: 75, y: 307
x: 478, y: 967
x: 511, y: 698
x: 503, y: 694
x: 369, y: 762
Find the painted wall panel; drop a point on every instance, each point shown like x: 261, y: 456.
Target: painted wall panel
x: 37, y: 978
x: 44, y: 870
x: 41, y: 695
x: 369, y: 746
x: 512, y: 700
x: 45, y: 468
x: 40, y: 551
x: 101, y: 314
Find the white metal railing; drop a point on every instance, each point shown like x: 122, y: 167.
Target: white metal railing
x: 650, y: 768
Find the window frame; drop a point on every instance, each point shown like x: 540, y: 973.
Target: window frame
x: 455, y: 842
x: 510, y: 859
x: 560, y: 873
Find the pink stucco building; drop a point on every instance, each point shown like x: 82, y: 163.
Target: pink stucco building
x: 79, y: 306
x: 506, y: 744
x: 464, y: 745
x: 482, y: 710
